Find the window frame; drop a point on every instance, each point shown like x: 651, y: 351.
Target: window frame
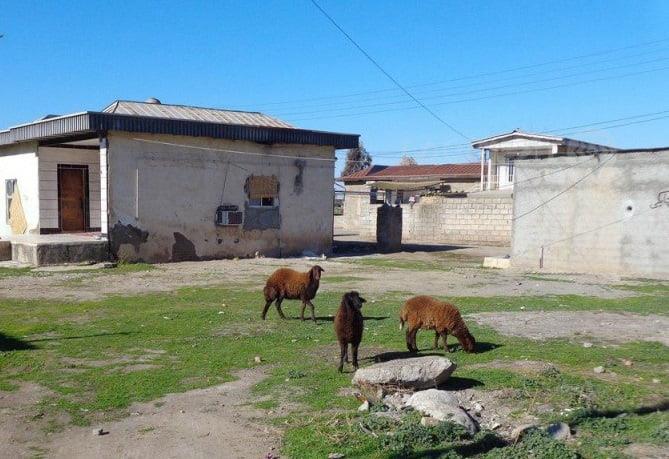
x: 510, y: 171
x: 9, y: 197
x: 262, y: 204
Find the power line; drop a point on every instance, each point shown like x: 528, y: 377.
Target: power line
x: 479, y: 75
x: 390, y: 77
x: 596, y: 168
x: 473, y: 99
x: 473, y: 91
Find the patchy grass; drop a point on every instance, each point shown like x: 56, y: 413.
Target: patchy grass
x: 646, y: 287
x: 545, y: 278
x: 343, y: 279
x: 409, y: 265
x: 14, y: 272
x: 79, y: 351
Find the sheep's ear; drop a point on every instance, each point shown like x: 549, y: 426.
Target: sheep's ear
x: 348, y: 301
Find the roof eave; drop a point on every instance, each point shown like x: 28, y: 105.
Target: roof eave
x: 101, y: 122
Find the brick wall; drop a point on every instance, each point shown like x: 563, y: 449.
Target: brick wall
x: 483, y: 219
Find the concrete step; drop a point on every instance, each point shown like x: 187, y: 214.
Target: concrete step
x: 55, y: 253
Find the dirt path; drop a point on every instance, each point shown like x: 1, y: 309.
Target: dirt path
x: 453, y: 273
x: 205, y: 423
x: 604, y: 326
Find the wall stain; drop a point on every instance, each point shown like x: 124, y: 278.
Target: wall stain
x: 127, y: 234
x: 298, y: 185
x: 261, y: 218
x: 183, y: 249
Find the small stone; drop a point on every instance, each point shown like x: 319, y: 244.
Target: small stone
x: 166, y: 318
x: 656, y: 381
x: 495, y: 426
x: 99, y: 432
x: 522, y: 308
x: 599, y: 370
x: 586, y: 344
x: 293, y: 340
x: 627, y: 363
x: 518, y: 432
x: 182, y: 411
x: 257, y: 359
x: 364, y: 406
x: 559, y: 431
x: 428, y: 421
x: 478, y: 407
x: 336, y: 456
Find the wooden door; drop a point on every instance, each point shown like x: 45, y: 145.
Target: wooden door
x: 72, y: 197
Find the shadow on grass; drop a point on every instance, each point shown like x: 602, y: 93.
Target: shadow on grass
x: 9, y: 343
x: 458, y: 383
x: 95, y: 335
x: 481, y: 445
x: 586, y: 415
x: 394, y: 355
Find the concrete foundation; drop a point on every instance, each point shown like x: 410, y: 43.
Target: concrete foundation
x: 58, y: 249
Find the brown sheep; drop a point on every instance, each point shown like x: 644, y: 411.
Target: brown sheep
x: 287, y: 284
x: 348, y: 324
x: 431, y: 314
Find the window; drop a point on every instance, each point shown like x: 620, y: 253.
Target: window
x: 10, y: 189
x: 265, y: 201
x: 509, y: 168
x: 376, y: 196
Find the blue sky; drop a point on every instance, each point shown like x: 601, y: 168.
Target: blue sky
x: 286, y: 59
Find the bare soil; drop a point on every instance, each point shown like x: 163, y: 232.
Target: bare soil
x: 457, y: 272
x: 584, y: 326
x: 213, y: 422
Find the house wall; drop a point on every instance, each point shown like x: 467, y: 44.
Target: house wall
x: 162, y: 198
x: 20, y: 162
x: 604, y: 223
x: 482, y: 218
x: 49, y: 159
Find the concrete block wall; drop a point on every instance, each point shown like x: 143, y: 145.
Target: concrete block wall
x: 597, y: 214
x: 483, y: 219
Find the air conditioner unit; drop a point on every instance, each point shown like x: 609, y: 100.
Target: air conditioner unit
x: 229, y: 215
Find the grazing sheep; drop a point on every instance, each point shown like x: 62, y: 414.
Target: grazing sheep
x: 431, y: 314
x: 348, y: 324
x: 287, y: 284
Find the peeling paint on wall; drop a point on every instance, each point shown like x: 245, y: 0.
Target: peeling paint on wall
x: 299, y: 182
x: 261, y: 218
x: 127, y: 234
x: 183, y: 249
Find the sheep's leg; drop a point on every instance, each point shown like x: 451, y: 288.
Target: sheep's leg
x: 304, y: 305
x: 354, y: 349
x: 313, y: 312
x: 436, y: 340
x: 411, y: 339
x: 445, y: 337
x: 346, y: 354
x: 278, y: 307
x: 343, y: 347
x: 266, y: 308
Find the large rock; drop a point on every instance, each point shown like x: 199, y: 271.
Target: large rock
x: 442, y: 405
x: 417, y: 373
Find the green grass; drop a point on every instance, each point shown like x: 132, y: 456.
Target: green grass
x: 409, y: 265
x: 78, y: 351
x: 14, y: 272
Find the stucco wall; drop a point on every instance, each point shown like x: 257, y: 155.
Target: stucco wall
x: 481, y: 218
x: 20, y: 162
x: 49, y: 159
x: 162, y: 198
x: 605, y: 223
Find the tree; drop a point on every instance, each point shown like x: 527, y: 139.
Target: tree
x: 408, y: 161
x: 356, y: 160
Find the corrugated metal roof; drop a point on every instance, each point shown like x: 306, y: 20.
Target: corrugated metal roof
x: 98, y: 123
x: 184, y: 112
x: 463, y: 170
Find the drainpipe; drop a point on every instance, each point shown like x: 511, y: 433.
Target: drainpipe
x: 482, y: 168
x: 489, y: 186
x: 104, y: 151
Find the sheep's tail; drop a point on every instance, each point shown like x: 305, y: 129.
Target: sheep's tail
x: 401, y: 324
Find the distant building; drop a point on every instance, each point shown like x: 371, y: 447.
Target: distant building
x: 397, y: 184
x: 164, y: 182
x: 499, y: 152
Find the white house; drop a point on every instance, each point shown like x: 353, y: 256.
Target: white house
x: 166, y: 182
x: 499, y: 152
